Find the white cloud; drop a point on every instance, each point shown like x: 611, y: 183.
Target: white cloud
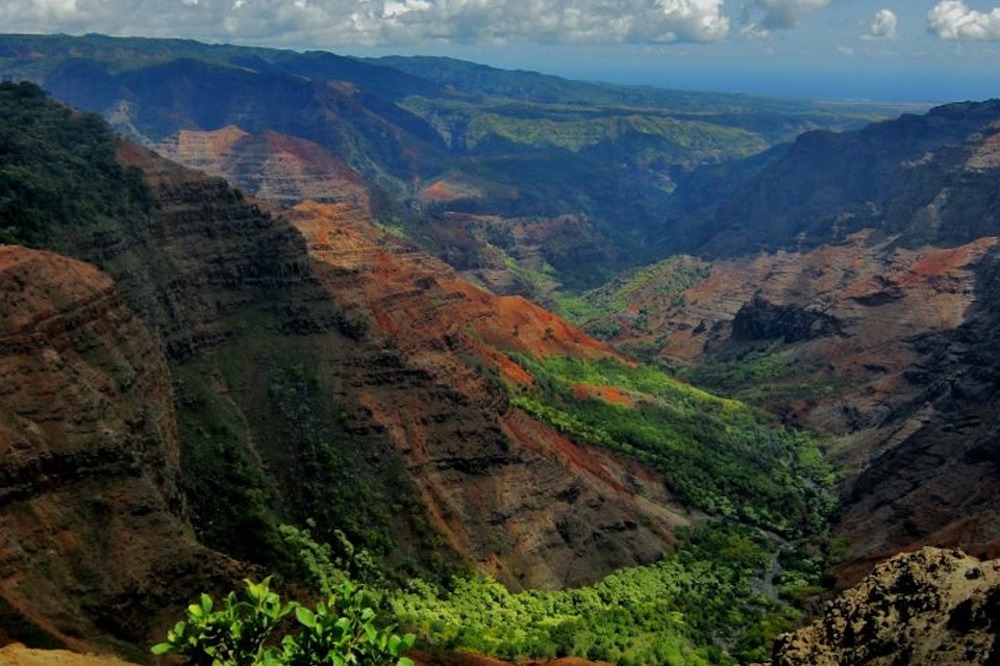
x: 327, y: 23
x: 780, y: 14
x: 42, y: 10
x: 883, y: 26
x: 953, y: 19
x: 846, y: 50
x: 754, y: 31
x: 760, y: 18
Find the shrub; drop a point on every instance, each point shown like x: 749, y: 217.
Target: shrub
x: 340, y: 632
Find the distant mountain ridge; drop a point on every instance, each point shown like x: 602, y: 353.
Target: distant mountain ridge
x: 889, y: 176
x: 528, y: 147
x: 845, y: 281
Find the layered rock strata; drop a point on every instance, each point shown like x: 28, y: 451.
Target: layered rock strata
x: 95, y: 540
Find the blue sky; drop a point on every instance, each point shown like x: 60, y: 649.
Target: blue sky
x: 902, y: 50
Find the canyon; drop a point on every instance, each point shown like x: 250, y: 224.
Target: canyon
x: 322, y: 318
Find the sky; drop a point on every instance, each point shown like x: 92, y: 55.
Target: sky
x: 893, y: 50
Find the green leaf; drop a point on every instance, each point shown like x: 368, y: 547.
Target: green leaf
x: 161, y: 648
x: 305, y: 617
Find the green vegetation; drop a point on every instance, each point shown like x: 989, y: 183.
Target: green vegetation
x: 270, y: 451
x: 58, y: 170
x: 242, y: 632
x: 697, y: 606
x: 759, y: 372
x: 704, y: 603
x: 576, y: 127
x: 662, y: 282
x: 712, y: 601
x: 717, y: 454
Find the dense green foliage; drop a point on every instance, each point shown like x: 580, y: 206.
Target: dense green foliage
x: 602, y: 310
x: 58, y: 169
x: 718, y: 454
x: 242, y: 632
x: 758, y: 372
x: 712, y: 601
x: 315, y: 472
x: 699, y: 605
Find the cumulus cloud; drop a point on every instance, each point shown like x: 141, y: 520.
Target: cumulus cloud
x: 760, y: 18
x: 382, y: 22
x: 782, y: 14
x: 953, y: 19
x: 883, y: 26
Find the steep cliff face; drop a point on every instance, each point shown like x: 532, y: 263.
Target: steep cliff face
x: 931, y: 607
x: 934, y: 476
x: 96, y: 541
x: 521, y: 500
x: 394, y: 353
x: 272, y: 166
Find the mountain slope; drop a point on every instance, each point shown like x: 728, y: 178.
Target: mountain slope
x: 866, y: 309
x: 324, y: 372
x: 610, y: 159
x: 890, y: 176
x: 97, y: 543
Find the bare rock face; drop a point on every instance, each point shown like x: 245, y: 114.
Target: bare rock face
x: 269, y: 165
x: 932, y: 607
x: 403, y: 358
x: 517, y: 498
x: 95, y: 539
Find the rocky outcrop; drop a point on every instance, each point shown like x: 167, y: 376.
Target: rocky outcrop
x: 929, y: 608
x: 759, y: 319
x: 95, y: 535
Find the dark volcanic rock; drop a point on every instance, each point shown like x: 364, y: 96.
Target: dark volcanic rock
x: 928, y: 608
x: 759, y: 319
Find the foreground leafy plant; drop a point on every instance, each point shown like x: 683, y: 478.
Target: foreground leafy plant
x: 340, y: 632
